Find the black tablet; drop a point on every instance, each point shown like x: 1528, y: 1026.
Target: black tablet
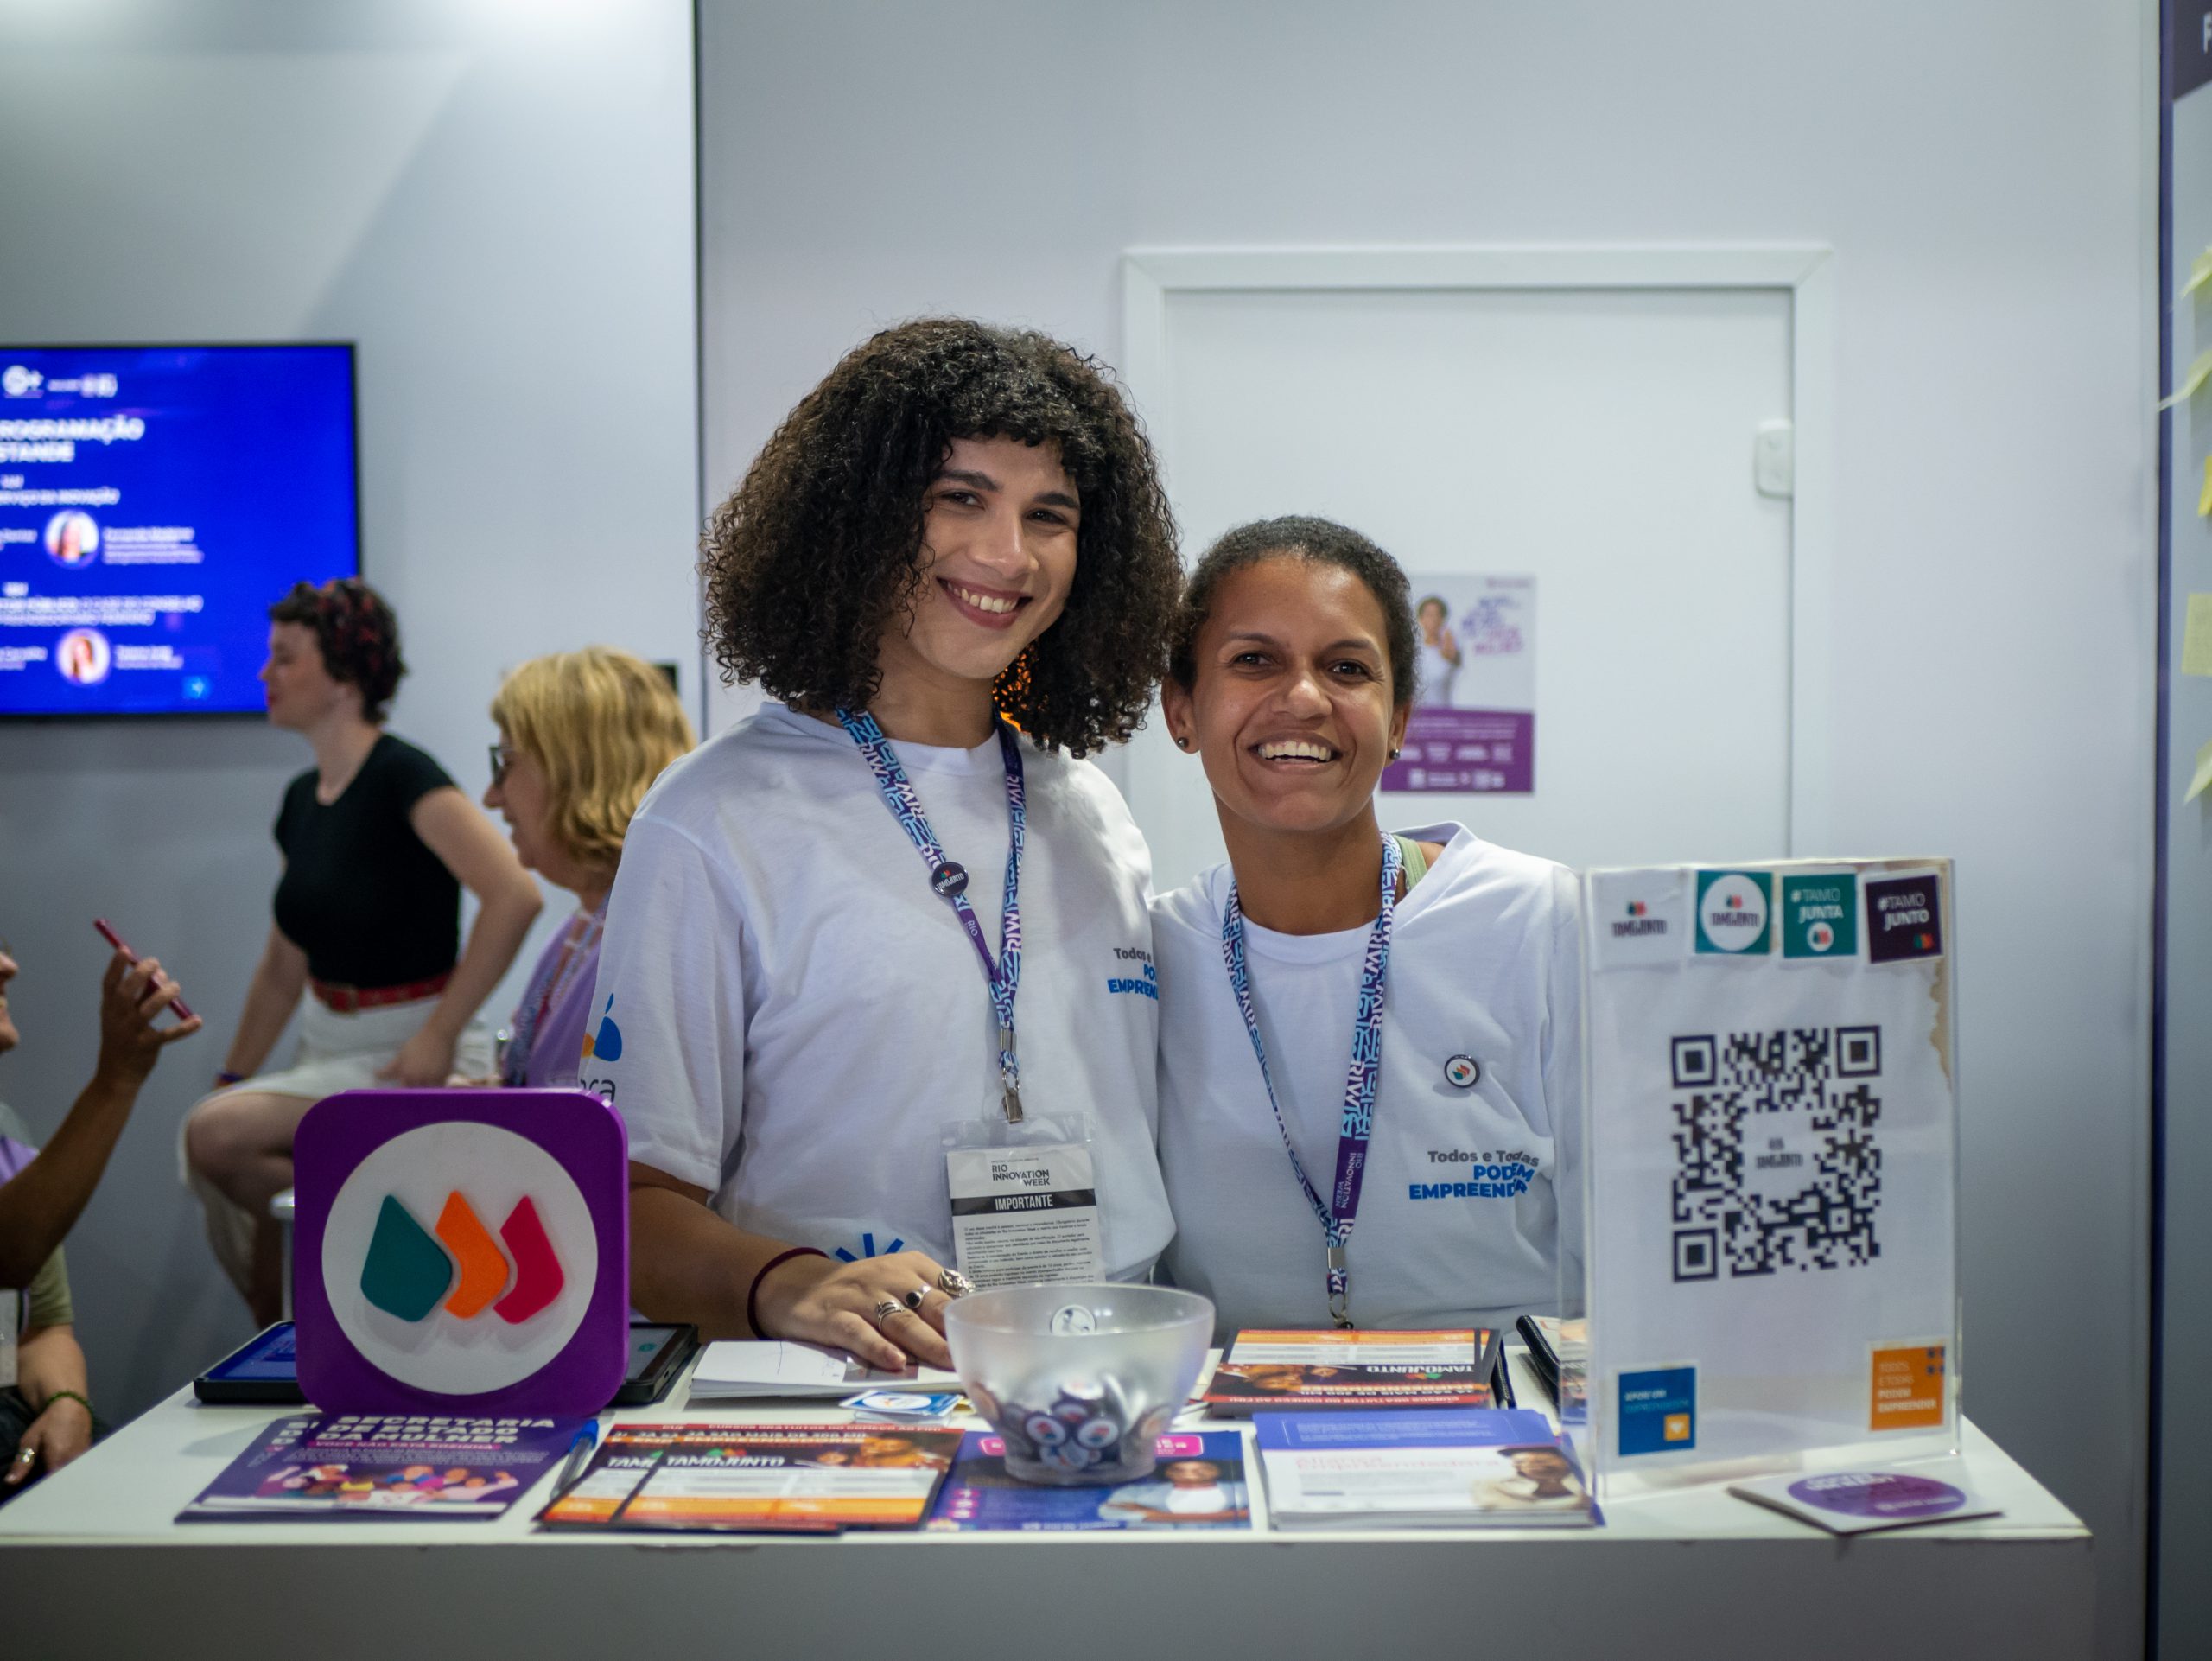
x: 263, y: 1371
x: 260, y: 1370
x: 658, y: 1352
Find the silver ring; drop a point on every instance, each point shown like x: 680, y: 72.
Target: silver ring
x: 953, y: 1283
x: 885, y: 1309
x: 27, y: 1456
x: 913, y: 1299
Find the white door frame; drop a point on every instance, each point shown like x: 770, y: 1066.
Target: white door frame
x: 1807, y: 272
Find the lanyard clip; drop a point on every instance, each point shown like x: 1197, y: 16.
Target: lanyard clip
x: 1339, y: 1287
x: 1009, y: 1074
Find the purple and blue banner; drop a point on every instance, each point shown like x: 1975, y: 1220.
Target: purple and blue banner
x: 154, y: 502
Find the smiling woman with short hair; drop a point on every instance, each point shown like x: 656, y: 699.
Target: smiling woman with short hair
x: 954, y: 565
x: 1370, y: 1044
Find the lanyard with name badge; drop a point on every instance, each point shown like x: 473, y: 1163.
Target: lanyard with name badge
x: 1358, y: 1121
x: 1003, y: 973
x: 1022, y: 1189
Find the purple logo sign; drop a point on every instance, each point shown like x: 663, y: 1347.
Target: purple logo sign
x: 461, y: 1250
x: 1491, y: 752
x: 1878, y: 1493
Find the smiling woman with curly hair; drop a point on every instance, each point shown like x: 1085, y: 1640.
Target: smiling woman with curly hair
x: 955, y: 566
x: 820, y: 551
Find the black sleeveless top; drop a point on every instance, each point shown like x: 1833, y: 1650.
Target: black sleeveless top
x: 361, y: 894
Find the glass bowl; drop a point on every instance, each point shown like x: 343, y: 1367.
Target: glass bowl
x: 1079, y: 1379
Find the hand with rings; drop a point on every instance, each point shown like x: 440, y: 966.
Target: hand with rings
x: 951, y: 1282
x: 888, y: 1311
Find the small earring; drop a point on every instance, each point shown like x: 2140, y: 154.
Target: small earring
x: 1182, y: 743
x: 1395, y: 754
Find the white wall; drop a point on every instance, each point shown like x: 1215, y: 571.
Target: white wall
x: 495, y: 200
x: 1983, y: 170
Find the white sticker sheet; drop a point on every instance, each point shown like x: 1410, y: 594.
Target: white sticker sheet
x: 1024, y: 1214
x: 1772, y: 1141
x: 1638, y: 919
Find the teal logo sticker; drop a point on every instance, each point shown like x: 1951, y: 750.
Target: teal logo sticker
x: 1734, y: 912
x: 1819, y: 916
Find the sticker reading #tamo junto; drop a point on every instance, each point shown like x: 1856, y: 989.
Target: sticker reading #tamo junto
x: 1905, y: 918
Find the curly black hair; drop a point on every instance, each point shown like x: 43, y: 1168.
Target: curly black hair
x: 819, y: 550
x: 1298, y: 536
x: 359, y: 634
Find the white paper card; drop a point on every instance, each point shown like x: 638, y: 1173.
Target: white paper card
x: 1386, y: 1485
x: 1026, y: 1214
x: 1637, y: 918
x: 735, y: 1368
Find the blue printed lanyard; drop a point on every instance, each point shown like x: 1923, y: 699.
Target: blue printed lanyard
x: 1003, y: 973
x: 1358, y: 1122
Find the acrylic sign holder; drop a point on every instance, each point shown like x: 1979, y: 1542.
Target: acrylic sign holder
x: 1772, y: 1190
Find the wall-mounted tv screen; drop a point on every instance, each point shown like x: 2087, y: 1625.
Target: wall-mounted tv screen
x: 155, y: 501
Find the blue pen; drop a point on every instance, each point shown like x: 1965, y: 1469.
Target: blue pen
x: 580, y: 1453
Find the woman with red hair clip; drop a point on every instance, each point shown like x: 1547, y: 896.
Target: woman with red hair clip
x: 378, y: 842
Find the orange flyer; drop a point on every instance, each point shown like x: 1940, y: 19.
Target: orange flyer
x: 764, y: 1478
x: 1282, y: 1372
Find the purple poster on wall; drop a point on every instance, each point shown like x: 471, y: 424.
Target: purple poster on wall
x: 1473, y: 726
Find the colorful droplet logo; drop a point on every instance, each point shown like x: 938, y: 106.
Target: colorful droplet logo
x: 458, y: 1257
x: 408, y: 1271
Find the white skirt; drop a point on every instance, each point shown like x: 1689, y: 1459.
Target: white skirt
x: 336, y: 1052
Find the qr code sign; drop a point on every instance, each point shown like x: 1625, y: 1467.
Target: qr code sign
x: 1775, y: 1161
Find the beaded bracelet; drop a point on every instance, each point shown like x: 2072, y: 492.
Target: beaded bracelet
x: 752, y: 1292
x: 68, y: 1395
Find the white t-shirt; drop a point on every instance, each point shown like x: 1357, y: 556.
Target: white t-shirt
x: 1467, y: 1186
x: 795, y: 1013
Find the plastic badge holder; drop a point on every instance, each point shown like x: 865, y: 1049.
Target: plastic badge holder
x: 462, y: 1251
x: 1771, y: 1192
x: 1079, y: 1380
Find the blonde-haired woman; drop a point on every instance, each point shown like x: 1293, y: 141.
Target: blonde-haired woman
x: 582, y: 736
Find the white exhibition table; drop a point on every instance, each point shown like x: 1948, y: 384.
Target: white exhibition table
x: 91, y: 1565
